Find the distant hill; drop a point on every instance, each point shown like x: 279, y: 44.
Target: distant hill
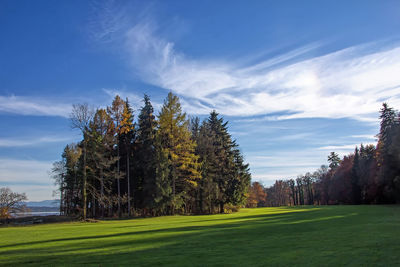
x: 43, y: 209
x: 55, y: 203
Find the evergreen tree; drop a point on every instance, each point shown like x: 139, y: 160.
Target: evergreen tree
x: 179, y: 166
x: 146, y: 158
x: 177, y: 144
x: 65, y: 172
x: 386, y: 159
x: 162, y: 194
x: 355, y: 178
x: 333, y: 160
x: 223, y: 167
x: 207, y: 192
x: 240, y: 180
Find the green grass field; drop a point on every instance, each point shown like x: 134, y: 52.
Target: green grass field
x: 334, y: 235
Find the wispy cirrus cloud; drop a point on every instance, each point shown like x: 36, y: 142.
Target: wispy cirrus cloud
x: 365, y: 136
x: 283, y: 165
x: 33, y: 106
x: 338, y: 147
x: 352, y: 82
x: 29, y: 141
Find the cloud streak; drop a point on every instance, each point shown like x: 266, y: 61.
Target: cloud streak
x: 29, y: 141
x: 30, y: 176
x: 351, y: 83
x: 33, y: 106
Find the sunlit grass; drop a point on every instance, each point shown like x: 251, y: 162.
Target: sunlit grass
x: 335, y: 235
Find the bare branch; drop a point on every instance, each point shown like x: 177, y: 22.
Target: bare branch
x: 11, y: 202
x: 81, y: 116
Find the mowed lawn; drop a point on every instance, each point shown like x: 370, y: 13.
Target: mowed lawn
x: 308, y: 236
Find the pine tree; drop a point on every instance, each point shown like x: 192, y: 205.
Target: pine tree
x: 207, y: 190
x: 146, y: 158
x: 71, y: 182
x: 240, y: 180
x: 177, y: 144
x: 162, y: 196
x: 333, y: 160
x: 386, y: 162
x: 221, y: 168
x: 178, y: 166
x: 225, y: 177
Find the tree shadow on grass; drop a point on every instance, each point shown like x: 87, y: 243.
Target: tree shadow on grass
x: 221, y: 242
x: 217, y: 224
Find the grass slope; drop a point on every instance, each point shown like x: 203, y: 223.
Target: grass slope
x: 334, y: 235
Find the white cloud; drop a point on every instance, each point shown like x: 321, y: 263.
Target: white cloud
x: 293, y: 158
x: 338, y: 147
x: 34, y: 192
x: 29, y: 141
x: 365, y: 136
x: 351, y: 82
x: 266, y: 167
x: 292, y: 137
x: 29, y: 176
x: 33, y: 106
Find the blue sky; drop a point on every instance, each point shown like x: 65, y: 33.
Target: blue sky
x: 295, y: 79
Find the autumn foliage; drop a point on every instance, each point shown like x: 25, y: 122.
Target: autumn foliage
x: 370, y: 175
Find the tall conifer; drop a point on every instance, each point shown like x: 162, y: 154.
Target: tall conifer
x: 176, y: 142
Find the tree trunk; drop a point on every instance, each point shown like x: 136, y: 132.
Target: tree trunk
x: 172, y: 174
x: 118, y: 185
x: 93, y: 206
x: 102, y: 193
x: 129, y: 186
x: 84, y: 180
x: 221, y: 207
x: 62, y: 200
x: 173, y: 194
x: 201, y: 201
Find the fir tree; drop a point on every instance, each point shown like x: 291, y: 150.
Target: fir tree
x: 333, y: 160
x: 176, y: 142
x: 146, y: 158
x: 387, y: 162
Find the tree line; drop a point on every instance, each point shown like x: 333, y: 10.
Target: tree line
x: 369, y: 175
x: 151, y: 166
